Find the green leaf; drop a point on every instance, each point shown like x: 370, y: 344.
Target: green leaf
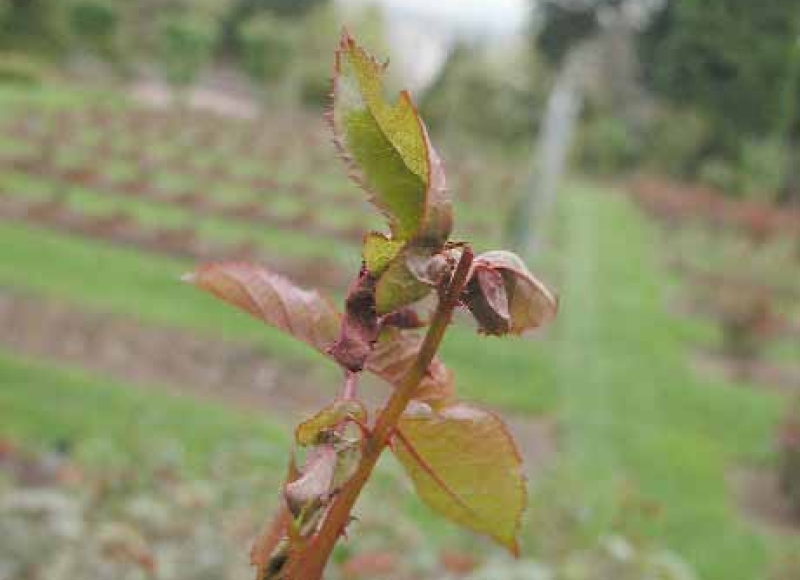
x: 505, y: 297
x: 398, y: 286
x: 304, y: 314
x: 388, y: 148
x: 410, y: 277
x: 308, y: 432
x: 465, y: 465
x: 379, y: 251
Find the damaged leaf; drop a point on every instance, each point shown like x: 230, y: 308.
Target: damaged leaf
x: 310, y: 317
x: 504, y: 297
x: 269, y: 552
x: 360, y: 328
x: 314, y: 485
x: 465, y: 465
x: 410, y: 277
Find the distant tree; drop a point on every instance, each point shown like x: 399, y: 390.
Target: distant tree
x: 726, y: 57
x: 790, y: 129
x: 31, y: 25
x: 243, y: 10
x: 95, y: 23
x: 469, y: 82
x: 268, y: 46
x: 186, y: 40
x: 562, y: 24
x: 731, y: 61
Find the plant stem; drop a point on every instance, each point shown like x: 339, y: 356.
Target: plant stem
x: 350, y: 388
x: 319, y: 550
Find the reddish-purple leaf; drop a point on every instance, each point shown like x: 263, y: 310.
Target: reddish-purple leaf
x: 360, y: 328
x: 392, y: 358
x: 310, y: 317
x: 505, y: 297
x: 494, y: 290
x: 304, y: 314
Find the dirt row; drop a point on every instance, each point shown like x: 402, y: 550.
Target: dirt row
x: 178, y: 360
x: 181, y: 362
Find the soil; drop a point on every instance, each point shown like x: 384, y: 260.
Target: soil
x: 758, y: 495
x: 220, y: 102
x: 183, y: 363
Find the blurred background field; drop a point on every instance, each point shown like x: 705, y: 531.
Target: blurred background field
x: 641, y: 154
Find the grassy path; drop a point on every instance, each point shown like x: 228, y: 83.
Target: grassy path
x: 634, y: 411
x: 41, y: 404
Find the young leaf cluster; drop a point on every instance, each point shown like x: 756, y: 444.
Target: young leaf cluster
x: 460, y: 458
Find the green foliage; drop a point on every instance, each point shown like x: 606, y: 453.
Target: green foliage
x: 719, y: 174
x: 701, y: 55
x: 756, y: 173
x: 185, y: 47
x: 319, y: 29
x: 240, y: 11
x: 789, y: 456
x: 761, y: 168
x: 32, y: 25
x: 393, y: 159
x: 675, y: 140
x: 508, y: 100
x: 95, y: 23
x: 471, y: 472
x: 606, y: 146
x: 267, y: 47
x: 20, y: 69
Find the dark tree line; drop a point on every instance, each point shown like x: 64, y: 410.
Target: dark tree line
x: 734, y: 62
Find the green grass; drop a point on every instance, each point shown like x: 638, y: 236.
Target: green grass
x: 41, y: 404
x: 124, y: 281
x: 633, y: 409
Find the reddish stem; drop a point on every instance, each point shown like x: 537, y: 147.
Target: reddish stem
x: 350, y: 388
x: 311, y: 564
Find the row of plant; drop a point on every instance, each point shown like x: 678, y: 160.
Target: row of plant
x: 121, y: 228
x: 742, y: 280
x: 198, y: 204
x: 166, y: 159
x: 192, y: 138
x: 679, y: 203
